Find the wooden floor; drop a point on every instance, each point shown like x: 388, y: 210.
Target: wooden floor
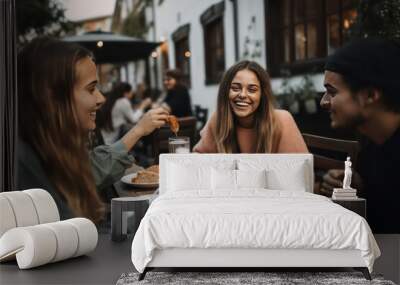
x: 389, y: 262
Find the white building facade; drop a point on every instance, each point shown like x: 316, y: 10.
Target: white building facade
x: 204, y: 38
x: 191, y: 18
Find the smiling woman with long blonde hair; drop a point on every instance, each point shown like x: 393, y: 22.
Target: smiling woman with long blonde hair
x: 246, y: 120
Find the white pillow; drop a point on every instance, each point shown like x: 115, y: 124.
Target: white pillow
x: 189, y: 174
x: 183, y: 177
x: 251, y: 178
x: 223, y: 179
x: 236, y: 179
x: 291, y: 179
x: 281, y: 174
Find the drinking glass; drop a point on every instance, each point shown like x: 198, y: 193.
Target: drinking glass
x: 179, y: 144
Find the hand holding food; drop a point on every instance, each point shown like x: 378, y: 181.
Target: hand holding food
x: 153, y: 119
x: 174, y: 124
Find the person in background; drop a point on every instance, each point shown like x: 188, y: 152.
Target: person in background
x: 58, y: 100
x: 363, y: 94
x: 246, y: 120
x: 117, y: 116
x: 142, y: 93
x: 177, y: 99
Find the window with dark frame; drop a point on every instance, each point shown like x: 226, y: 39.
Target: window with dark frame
x: 182, y: 59
x: 182, y: 52
x: 214, y: 46
x: 340, y: 16
x: 301, y: 33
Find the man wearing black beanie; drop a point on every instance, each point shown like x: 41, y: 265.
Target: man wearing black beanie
x: 362, y: 81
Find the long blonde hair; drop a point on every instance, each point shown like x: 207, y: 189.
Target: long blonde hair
x: 266, y: 124
x: 48, y: 121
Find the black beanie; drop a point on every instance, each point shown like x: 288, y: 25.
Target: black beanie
x: 370, y: 62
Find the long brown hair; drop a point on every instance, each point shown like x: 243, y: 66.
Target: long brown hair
x: 104, y: 115
x: 266, y: 124
x: 48, y: 121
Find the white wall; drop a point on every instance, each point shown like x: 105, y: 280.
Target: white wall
x: 174, y: 13
x: 151, y: 36
x: 81, y: 11
x: 134, y: 72
x: 254, y: 30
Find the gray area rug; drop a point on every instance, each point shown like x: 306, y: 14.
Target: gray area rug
x: 270, y: 278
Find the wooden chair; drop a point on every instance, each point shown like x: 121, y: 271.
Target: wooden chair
x: 187, y: 128
x: 329, y: 153
x: 201, y: 116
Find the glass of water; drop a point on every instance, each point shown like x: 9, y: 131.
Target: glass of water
x: 179, y: 144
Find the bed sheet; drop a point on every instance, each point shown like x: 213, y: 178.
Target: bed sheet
x: 251, y: 218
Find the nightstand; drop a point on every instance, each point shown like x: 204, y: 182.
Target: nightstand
x: 122, y: 209
x: 358, y: 205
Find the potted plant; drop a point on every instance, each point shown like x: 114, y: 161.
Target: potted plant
x: 289, y: 95
x: 307, y: 94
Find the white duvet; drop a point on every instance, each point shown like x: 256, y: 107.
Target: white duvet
x: 250, y: 219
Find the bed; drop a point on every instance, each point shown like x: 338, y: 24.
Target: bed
x: 247, y: 210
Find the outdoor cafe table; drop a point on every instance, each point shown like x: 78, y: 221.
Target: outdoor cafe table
x: 124, y: 190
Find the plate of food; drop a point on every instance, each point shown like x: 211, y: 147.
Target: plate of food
x: 147, y: 178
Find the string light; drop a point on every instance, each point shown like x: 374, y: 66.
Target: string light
x: 346, y: 24
x: 100, y: 44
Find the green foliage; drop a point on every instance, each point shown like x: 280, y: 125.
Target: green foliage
x: 289, y: 93
x: 302, y: 92
x: 40, y: 17
x: 306, y: 90
x: 378, y: 18
x: 135, y: 25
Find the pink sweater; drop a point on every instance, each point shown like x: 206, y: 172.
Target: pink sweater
x: 290, y: 141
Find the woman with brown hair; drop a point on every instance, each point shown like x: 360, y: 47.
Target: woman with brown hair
x: 177, y: 99
x: 58, y: 99
x: 246, y: 120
